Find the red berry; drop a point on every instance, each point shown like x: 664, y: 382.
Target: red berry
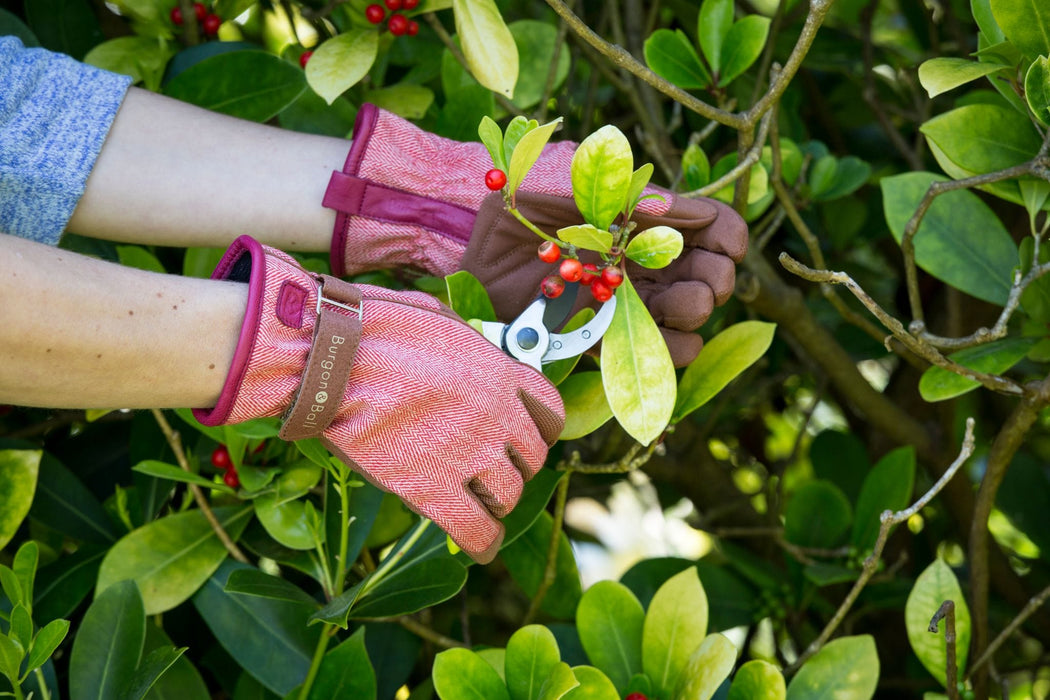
x: 635, y: 696
x: 495, y: 179
x: 176, y: 15
x: 220, y: 458
x: 211, y: 24
x: 375, y: 13
x: 410, y: 4
x: 393, y: 5
x: 549, y: 252
x: 590, y: 273
x: 601, y: 291
x: 200, y: 10
x: 304, y: 58
x: 397, y: 25
x: 612, y: 276
x: 552, y: 286
x: 231, y: 479
x: 571, y: 270
x: 413, y: 28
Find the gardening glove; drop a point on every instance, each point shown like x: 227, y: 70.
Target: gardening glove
x: 395, y: 385
x: 408, y: 198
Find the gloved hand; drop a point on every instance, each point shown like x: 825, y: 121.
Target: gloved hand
x: 408, y: 198
x: 395, y: 385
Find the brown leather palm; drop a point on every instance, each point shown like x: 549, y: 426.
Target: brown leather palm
x: 502, y: 254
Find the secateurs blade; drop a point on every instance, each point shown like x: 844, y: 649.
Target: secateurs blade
x: 527, y: 338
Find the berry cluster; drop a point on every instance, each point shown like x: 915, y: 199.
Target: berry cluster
x: 209, y: 22
x: 220, y: 459
x: 398, y: 24
x: 635, y: 696
x: 602, y: 281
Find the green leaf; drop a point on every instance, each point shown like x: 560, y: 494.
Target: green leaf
x: 468, y: 298
x: 982, y: 138
x: 960, y: 241
x: 64, y: 26
x: 21, y: 626
x: 829, y: 574
x: 492, y: 136
x: 346, y: 672
x: 66, y: 582
x: 156, y: 663
x: 11, y: 25
x: 487, y: 44
x: 405, y: 100
x: 460, y: 674
x: 1037, y: 89
x: 526, y: 559
x: 707, y: 667
x: 63, y: 503
x: 818, y: 515
x: 594, y: 685
x: 742, y: 47
x: 758, y: 680
x: 340, y: 62
x: 516, y: 129
x: 758, y: 186
x: 141, y: 57
x: 587, y: 237
x: 11, y: 655
x: 526, y: 151
x: 286, y: 521
x: 252, y: 85
x: 534, y: 499
x: 982, y: 14
x: 847, y: 176
x: 937, y: 384
x: 655, y: 247
x: 639, y: 181
x: 637, y: 370
x: 170, y: 558
x: 1026, y: 23
x: 602, y: 168
x: 722, y: 359
x: 532, y: 655
x: 258, y: 583
x: 823, y: 677
x: 152, y: 467
x: 12, y: 587
x: 409, y: 589
x: 46, y: 641
x: 696, y: 168
x: 18, y: 479
x: 559, y: 683
x: 24, y: 568
x: 675, y: 625
x: 536, y: 43
x: 939, y: 75
x: 713, y: 25
x: 268, y: 638
x: 886, y: 487
x: 586, y: 408
x: 108, y: 644
x: 670, y: 54
x: 609, y: 620
x: 934, y: 586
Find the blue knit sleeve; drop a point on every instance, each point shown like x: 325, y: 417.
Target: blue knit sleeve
x: 54, y: 116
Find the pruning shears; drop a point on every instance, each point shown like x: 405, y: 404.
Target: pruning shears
x: 528, y: 338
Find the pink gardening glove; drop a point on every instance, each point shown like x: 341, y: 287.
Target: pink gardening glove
x: 395, y: 385
x: 408, y: 198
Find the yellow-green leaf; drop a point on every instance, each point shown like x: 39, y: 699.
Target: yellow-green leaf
x: 655, y: 247
x: 341, y: 62
x: 675, y: 625
x: 708, y: 666
x: 18, y: 474
x: 934, y: 586
x: 487, y: 43
x: 944, y: 73
x: 587, y: 237
x: 637, y: 370
x: 586, y: 408
x: 526, y: 151
x: 602, y: 168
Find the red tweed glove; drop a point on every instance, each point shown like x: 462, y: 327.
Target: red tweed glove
x: 395, y: 385
x: 408, y: 198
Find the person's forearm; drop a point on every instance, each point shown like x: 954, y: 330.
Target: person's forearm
x: 76, y: 332
x: 174, y: 174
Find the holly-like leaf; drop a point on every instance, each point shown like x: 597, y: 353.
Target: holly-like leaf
x: 670, y: 54
x: 656, y: 247
x: 527, y: 151
x: 637, y: 370
x: 941, y: 74
x: 602, y: 168
x: 487, y: 43
x: 340, y: 62
x: 587, y: 237
x: 1037, y: 89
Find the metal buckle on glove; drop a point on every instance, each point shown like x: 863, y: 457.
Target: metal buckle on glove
x: 527, y: 338
x: 321, y: 299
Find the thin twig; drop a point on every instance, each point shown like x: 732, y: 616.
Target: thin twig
x: 888, y: 520
x: 550, y: 571
x: 1029, y: 609
x: 420, y: 630
x: 552, y: 74
x: 175, y: 441
x: 630, y: 461
x: 753, y: 155
x: 951, y: 670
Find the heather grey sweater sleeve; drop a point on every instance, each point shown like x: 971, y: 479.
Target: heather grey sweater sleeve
x: 54, y: 116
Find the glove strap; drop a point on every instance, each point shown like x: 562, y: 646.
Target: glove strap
x: 337, y: 335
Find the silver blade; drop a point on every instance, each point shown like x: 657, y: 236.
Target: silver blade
x: 579, y: 341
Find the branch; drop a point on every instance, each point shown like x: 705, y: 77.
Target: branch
x: 550, y: 572
x: 1034, y: 604
x: 175, y: 442
x: 744, y: 165
x: 896, y: 328
x: 888, y: 520
x: 630, y: 461
x: 951, y: 671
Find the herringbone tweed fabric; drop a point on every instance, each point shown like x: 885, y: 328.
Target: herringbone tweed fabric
x: 432, y: 411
